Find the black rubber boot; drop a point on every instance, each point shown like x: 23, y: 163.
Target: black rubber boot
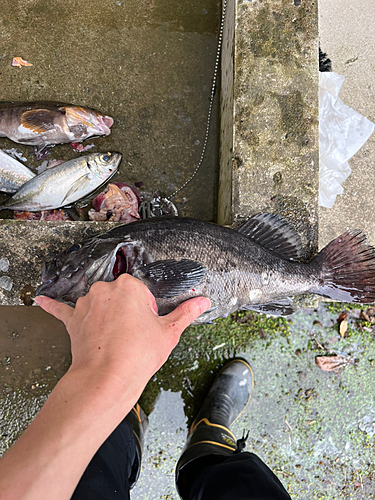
x: 139, y: 424
x: 210, y: 432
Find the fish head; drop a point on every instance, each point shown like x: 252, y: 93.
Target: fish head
x: 86, y: 122
x: 104, y: 165
x: 70, y: 274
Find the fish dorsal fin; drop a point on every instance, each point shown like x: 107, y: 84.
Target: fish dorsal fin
x: 38, y: 120
x: 281, y: 307
x: 273, y: 233
x: 80, y: 184
x: 168, y: 278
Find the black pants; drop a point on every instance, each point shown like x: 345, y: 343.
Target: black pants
x: 239, y: 477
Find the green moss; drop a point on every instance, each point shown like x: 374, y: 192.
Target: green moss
x: 202, y: 351
x: 338, y: 307
x: 280, y: 32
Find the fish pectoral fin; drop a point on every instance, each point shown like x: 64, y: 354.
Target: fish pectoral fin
x: 80, y: 184
x: 168, y: 278
x: 282, y: 307
x: 273, y: 233
x: 38, y: 120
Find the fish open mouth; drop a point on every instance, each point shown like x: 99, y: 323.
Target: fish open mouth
x: 104, y: 124
x: 120, y: 266
x: 108, y: 122
x: 126, y: 258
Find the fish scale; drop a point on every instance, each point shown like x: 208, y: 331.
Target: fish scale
x: 235, y: 262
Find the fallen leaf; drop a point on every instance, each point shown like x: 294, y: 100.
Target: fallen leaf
x: 332, y: 363
x: 342, y: 316
x: 343, y: 328
x: 18, y: 62
x: 368, y: 315
x: 364, y: 316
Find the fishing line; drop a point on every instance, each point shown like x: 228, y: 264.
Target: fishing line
x: 209, y: 114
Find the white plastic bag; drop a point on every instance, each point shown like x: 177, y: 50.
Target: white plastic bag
x: 342, y: 132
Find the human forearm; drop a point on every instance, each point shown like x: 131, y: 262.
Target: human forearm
x: 118, y: 342
x: 51, y: 456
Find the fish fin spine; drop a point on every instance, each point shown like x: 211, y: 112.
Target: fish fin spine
x: 171, y: 277
x: 271, y: 232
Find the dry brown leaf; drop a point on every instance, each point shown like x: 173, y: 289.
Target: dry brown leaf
x: 368, y: 315
x: 343, y: 328
x: 364, y: 316
x: 318, y: 323
x: 342, y: 316
x: 332, y: 363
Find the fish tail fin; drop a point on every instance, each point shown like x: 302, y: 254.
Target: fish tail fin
x: 346, y: 269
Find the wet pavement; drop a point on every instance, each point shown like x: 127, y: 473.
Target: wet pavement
x: 315, y: 429
x: 149, y: 65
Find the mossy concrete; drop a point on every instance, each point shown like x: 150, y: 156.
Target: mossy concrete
x: 269, y: 112
x: 314, y: 429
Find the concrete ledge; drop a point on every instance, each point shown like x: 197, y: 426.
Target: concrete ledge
x: 269, y: 114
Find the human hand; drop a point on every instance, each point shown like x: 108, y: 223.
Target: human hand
x: 118, y: 342
x: 116, y: 333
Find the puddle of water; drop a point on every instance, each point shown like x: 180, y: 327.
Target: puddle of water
x: 164, y: 442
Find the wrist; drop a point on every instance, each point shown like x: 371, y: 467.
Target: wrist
x: 104, y: 388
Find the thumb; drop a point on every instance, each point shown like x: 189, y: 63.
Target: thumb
x: 61, y: 311
x: 187, y: 312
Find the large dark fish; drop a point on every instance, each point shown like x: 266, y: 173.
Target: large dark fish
x: 48, y: 123
x: 245, y: 268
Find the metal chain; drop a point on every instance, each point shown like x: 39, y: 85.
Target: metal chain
x: 213, y: 88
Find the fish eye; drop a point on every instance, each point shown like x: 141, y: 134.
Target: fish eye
x: 106, y: 157
x: 73, y: 248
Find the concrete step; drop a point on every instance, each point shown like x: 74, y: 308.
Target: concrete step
x: 269, y: 157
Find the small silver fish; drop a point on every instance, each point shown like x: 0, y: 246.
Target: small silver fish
x: 64, y: 184
x: 13, y: 174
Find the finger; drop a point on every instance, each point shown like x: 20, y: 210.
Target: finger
x: 61, y: 311
x: 187, y: 312
x: 153, y: 304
